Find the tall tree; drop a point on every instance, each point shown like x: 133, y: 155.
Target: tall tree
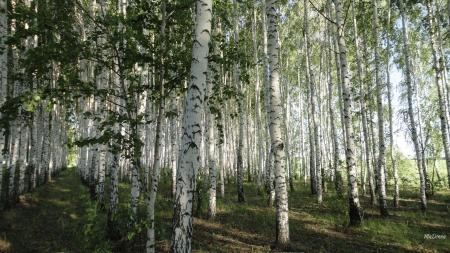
x: 389, y: 96
x: 237, y: 71
x: 438, y: 69
x: 406, y: 54
x: 354, y: 206
x: 151, y: 196
x: 258, y: 99
x: 3, y: 73
x: 335, y: 163
x: 363, y: 105
x: 275, y: 113
x: 381, y: 141
x: 182, y: 221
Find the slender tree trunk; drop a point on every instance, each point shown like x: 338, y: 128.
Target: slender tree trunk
x: 311, y: 122
x: 269, y: 185
x: 381, y: 141
x: 151, y: 196
x: 282, y: 229
x: 285, y: 106
x: 363, y: 95
x: 182, y: 222
x: 173, y: 126
x: 335, y: 163
x: 211, y: 158
x: 354, y: 206
x: 315, y: 129
x: 437, y: 65
x: 391, y: 129
x: 240, y: 169
x: 111, y: 223
x: 103, y: 84
x: 258, y: 103
x: 410, y: 107
x: 3, y: 74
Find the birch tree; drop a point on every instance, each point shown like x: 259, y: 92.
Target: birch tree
x: 354, y: 206
x: 438, y: 69
x: 3, y: 74
x: 275, y: 113
x: 389, y: 96
x: 406, y: 54
x: 240, y: 166
x: 182, y: 221
x: 382, y: 148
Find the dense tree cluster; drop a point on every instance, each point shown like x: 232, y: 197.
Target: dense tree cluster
x: 206, y: 92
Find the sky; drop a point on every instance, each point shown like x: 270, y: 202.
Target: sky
x: 399, y: 128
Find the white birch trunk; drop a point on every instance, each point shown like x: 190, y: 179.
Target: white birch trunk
x: 269, y: 182
x: 410, y: 107
x: 275, y: 112
x: 240, y: 166
x: 102, y: 84
x: 441, y: 94
x: 335, y: 163
x: 391, y: 129
x: 211, y: 158
x: 151, y: 196
x: 15, y: 126
x: 23, y: 160
x: 354, y: 206
x: 173, y: 137
x: 381, y: 141
x: 3, y: 74
x: 182, y: 227
x: 314, y: 117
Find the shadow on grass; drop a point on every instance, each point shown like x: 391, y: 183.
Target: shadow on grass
x: 320, y: 228
x: 47, y: 220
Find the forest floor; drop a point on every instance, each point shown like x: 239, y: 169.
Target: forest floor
x: 59, y: 217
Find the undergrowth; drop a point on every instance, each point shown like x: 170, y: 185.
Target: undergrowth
x: 60, y: 217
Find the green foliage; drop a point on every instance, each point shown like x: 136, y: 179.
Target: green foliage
x: 93, y: 233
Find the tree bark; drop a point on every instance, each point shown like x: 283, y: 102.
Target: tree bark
x: 410, y: 107
x: 282, y: 221
x: 381, y: 141
x: 354, y: 206
x: 182, y: 221
x: 240, y: 169
x: 441, y: 94
x: 335, y: 163
x: 391, y: 129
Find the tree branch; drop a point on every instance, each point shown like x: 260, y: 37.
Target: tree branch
x: 327, y: 18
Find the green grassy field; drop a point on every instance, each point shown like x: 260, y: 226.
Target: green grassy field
x: 59, y: 217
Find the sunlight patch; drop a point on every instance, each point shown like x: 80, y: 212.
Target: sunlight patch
x: 4, y: 245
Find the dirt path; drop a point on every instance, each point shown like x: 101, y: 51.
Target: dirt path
x: 46, y: 220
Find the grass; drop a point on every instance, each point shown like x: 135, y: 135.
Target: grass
x: 59, y: 217
x: 47, y: 220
